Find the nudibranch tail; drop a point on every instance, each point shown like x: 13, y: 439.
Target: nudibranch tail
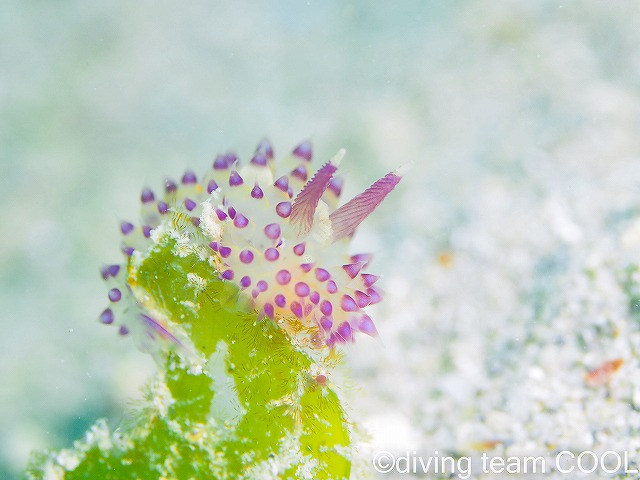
x: 268, y: 230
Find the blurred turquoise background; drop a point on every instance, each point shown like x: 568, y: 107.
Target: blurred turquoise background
x: 98, y: 99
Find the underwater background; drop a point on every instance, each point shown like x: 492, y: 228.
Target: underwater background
x: 509, y: 251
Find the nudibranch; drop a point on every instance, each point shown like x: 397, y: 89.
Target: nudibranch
x: 268, y: 228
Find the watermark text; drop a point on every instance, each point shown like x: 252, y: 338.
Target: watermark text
x: 564, y: 462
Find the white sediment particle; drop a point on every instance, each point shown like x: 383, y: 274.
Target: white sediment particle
x: 183, y: 246
x: 209, y: 222
x: 288, y: 454
x: 158, y: 233
x: 136, y: 259
x: 68, y: 459
x: 345, y: 451
x: 265, y: 470
x: 161, y: 398
x: 175, y: 426
x: 197, y: 282
x: 194, y: 307
x: 100, y: 435
x: 53, y: 472
x: 307, y: 468
x: 195, y: 369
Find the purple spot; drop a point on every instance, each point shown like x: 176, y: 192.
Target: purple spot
x: 221, y: 214
x: 240, y: 221
x: 306, y: 267
x: 147, y: 196
x: 195, y: 221
x: 245, y: 281
x: 335, y: 186
x: 362, y: 257
x: 259, y: 159
x: 126, y: 228
x: 326, y: 323
x: 257, y: 192
x: 308, y: 308
x: 230, y: 158
x: 282, y: 183
x: 304, y: 150
x: 227, y: 274
x: 232, y: 212
x: 189, y: 178
x: 115, y: 295
x: 189, y: 204
x: 300, y: 173
x: 110, y: 271
x: 225, y: 251
x: 344, y: 331
x: 170, y: 186
x: 235, y: 179
x: 265, y: 147
x: 128, y: 251
x: 280, y: 300
x: 362, y: 299
x: 353, y: 269
x: 369, y: 279
x: 348, y: 304
x: 296, y: 309
x: 123, y: 330
x: 220, y: 163
x: 365, y: 325
x: 214, y: 246
x: 262, y: 286
x: 146, y: 231
x: 211, y: 186
x: 322, y: 275
x: 283, y: 277
x: 375, y: 295
x: 314, y: 297
x: 271, y: 254
x: 332, y: 287
x: 299, y: 249
x: 106, y: 317
x: 283, y: 209
x: 163, y: 208
x: 326, y: 307
x: 246, y: 256
x: 272, y: 231
x: 268, y: 310
x: 302, y: 289
x: 255, y: 293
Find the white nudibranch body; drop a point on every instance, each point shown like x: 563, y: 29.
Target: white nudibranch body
x: 276, y: 233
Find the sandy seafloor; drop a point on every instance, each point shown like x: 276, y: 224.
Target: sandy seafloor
x: 505, y: 252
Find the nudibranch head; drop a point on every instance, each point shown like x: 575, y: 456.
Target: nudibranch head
x: 274, y: 231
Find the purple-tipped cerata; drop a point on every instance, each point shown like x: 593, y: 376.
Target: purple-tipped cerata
x: 271, y: 229
x: 346, y: 219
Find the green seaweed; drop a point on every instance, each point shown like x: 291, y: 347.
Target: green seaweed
x: 235, y: 396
